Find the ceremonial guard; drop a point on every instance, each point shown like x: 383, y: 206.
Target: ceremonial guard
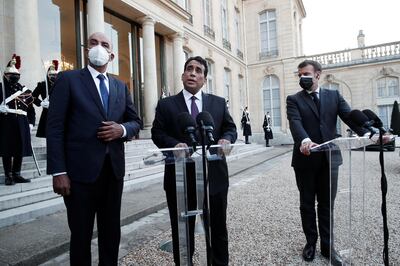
x: 267, y: 129
x: 246, y: 125
x: 44, y: 89
x: 17, y: 117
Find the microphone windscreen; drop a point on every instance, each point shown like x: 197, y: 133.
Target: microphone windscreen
x: 206, y: 118
x: 372, y: 116
x: 185, y: 120
x: 358, y: 117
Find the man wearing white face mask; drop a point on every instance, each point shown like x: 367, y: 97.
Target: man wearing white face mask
x: 90, y: 116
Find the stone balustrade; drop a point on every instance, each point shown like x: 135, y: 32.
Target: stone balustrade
x: 363, y: 55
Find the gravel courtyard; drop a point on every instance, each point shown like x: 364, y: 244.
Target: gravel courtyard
x: 264, y: 219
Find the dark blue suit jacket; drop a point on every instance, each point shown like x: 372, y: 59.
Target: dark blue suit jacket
x: 166, y: 133
x: 75, y: 114
x: 306, y: 122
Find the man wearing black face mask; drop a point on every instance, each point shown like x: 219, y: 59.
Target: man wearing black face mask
x: 44, y: 89
x: 312, y: 114
x: 17, y: 116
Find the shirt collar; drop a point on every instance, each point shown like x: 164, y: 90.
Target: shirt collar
x: 187, y: 95
x: 95, y: 73
x: 317, y: 91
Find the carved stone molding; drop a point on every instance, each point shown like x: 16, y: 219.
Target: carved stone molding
x: 386, y: 71
x: 269, y: 70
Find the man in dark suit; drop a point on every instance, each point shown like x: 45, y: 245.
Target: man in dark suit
x: 166, y: 133
x: 90, y: 116
x: 312, y: 114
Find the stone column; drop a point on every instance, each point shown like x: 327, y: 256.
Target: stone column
x: 179, y: 61
x: 150, y: 71
x: 27, y: 42
x: 95, y: 16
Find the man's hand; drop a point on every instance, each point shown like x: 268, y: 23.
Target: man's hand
x: 306, y: 146
x: 226, y: 148
x: 110, y: 131
x: 181, y: 153
x: 62, y: 185
x: 3, y: 108
x: 44, y: 104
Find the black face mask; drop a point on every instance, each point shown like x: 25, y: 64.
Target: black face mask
x: 306, y: 82
x: 13, y: 78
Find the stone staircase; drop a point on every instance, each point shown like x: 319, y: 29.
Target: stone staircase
x: 23, y: 202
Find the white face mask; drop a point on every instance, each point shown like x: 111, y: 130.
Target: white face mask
x: 98, y: 55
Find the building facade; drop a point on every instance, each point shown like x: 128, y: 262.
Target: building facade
x: 252, y: 48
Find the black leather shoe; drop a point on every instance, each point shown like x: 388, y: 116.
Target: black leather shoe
x: 336, y: 260
x: 309, y: 252
x: 20, y: 179
x: 9, y: 181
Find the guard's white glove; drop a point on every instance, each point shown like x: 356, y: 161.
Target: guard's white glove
x: 44, y: 104
x: 3, y: 108
x: 30, y: 127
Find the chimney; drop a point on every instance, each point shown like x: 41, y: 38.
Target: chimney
x: 361, y: 39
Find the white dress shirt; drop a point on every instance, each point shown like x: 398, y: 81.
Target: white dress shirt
x: 188, y: 100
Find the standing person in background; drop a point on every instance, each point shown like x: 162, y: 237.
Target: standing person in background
x: 312, y: 114
x: 90, y: 116
x: 17, y: 118
x: 246, y: 125
x: 44, y: 92
x: 267, y: 129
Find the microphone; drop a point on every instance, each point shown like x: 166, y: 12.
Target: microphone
x: 206, y: 122
x: 373, y: 117
x: 188, y: 127
x: 360, y: 119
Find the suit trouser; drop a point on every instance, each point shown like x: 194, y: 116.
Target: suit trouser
x: 314, y: 183
x: 103, y: 200
x: 219, y: 232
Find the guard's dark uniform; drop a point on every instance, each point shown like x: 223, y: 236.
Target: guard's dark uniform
x: 267, y: 130
x: 44, y: 93
x: 246, y: 125
x: 15, y: 138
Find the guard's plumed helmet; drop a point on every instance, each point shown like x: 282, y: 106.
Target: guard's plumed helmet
x: 13, y: 66
x: 53, y: 68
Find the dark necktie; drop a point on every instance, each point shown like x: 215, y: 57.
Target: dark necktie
x: 315, y: 98
x: 103, y: 92
x: 194, y: 111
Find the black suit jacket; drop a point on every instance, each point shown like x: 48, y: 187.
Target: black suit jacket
x: 166, y: 134
x: 75, y: 114
x: 306, y: 122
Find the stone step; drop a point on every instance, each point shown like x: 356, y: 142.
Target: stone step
x: 55, y: 203
x: 22, y: 202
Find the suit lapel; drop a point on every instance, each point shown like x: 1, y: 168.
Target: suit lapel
x: 206, y: 102
x: 113, y: 95
x: 180, y: 103
x: 310, y: 102
x: 91, y: 87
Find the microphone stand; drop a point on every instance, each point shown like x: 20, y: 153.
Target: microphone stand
x: 384, y: 186
x: 206, y: 204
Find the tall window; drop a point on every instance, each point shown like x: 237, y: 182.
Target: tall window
x: 183, y: 3
x: 334, y: 86
x: 207, y: 13
x: 210, y: 77
x: 387, y: 87
x: 385, y: 113
x: 242, y: 90
x: 271, y: 99
x: 224, y: 17
x: 268, y: 34
x: 238, y: 32
x: 57, y: 33
x: 227, y: 83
